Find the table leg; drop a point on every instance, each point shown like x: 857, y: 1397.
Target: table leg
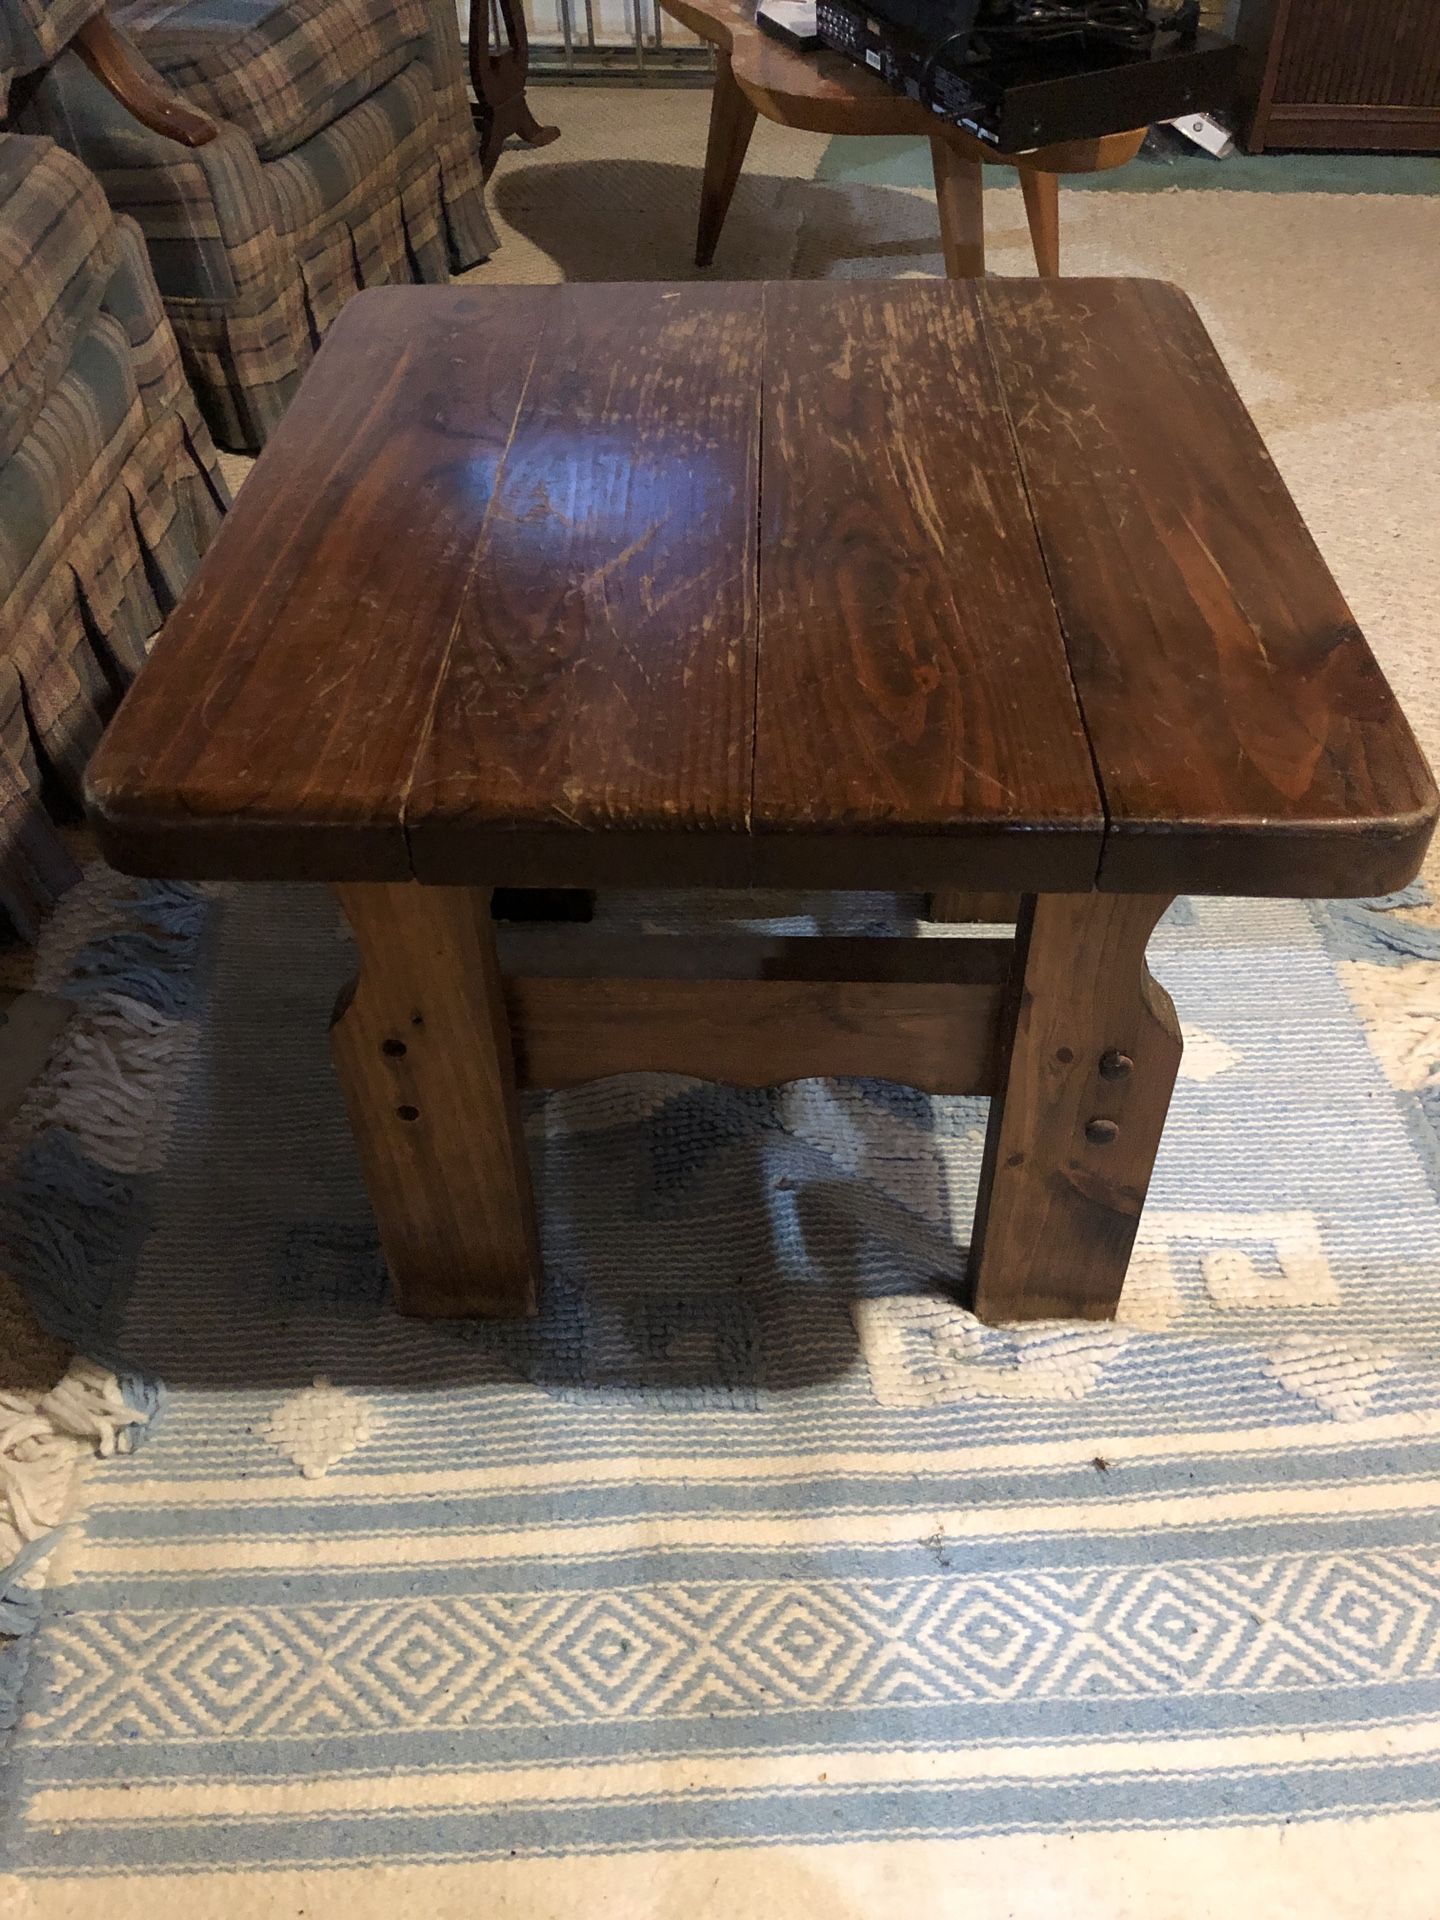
x: 1042, y: 210
x: 960, y: 197
x: 1090, y: 1050
x: 422, y: 1048
x: 498, y: 78
x: 732, y: 121
x: 948, y: 906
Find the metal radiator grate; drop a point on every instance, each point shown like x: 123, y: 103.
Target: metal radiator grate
x: 622, y: 40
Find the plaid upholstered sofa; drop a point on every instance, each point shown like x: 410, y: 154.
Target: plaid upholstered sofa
x: 327, y: 147
x: 108, y: 495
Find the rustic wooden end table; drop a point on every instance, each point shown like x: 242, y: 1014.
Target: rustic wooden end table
x: 866, y: 585
x: 826, y: 93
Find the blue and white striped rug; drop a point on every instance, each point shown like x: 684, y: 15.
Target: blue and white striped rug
x: 755, y: 1577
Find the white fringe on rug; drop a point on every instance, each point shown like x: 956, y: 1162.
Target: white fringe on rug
x: 46, y: 1441
x: 123, y: 951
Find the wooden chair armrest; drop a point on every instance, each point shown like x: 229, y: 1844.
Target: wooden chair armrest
x: 125, y: 73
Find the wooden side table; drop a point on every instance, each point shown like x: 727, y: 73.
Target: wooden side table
x: 857, y: 585
x: 826, y: 93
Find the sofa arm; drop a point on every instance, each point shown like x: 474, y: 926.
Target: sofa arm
x: 206, y: 212
x: 123, y: 71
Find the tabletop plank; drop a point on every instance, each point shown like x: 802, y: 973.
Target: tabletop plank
x: 273, y: 731
x: 1246, y: 740
x: 916, y: 724
x: 601, y: 674
x: 491, y: 606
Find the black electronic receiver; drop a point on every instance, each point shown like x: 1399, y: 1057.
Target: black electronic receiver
x: 790, y: 21
x: 1017, y: 94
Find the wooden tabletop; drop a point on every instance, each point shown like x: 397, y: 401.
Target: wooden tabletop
x: 986, y: 585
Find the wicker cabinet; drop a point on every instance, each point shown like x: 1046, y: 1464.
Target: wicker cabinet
x: 1359, y: 74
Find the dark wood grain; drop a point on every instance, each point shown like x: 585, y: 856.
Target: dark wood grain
x: 756, y: 1033
x: 1091, y: 1047
x: 422, y: 1048
x: 1042, y: 212
x: 274, y: 730
x: 1361, y: 53
x: 592, y: 953
x: 1245, y: 738
x: 120, y: 67
x: 556, y: 952
x: 960, y: 201
x: 913, y: 678
x: 732, y: 121
x: 959, y: 909
x: 532, y: 587
x: 489, y: 609
x: 1340, y: 73
x: 754, y: 1011
x: 498, y: 77
x: 600, y: 686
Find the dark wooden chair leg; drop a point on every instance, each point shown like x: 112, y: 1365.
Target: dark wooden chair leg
x: 732, y: 121
x: 1090, y: 1049
x: 960, y: 197
x: 499, y: 78
x: 1042, y: 210
x: 422, y: 1048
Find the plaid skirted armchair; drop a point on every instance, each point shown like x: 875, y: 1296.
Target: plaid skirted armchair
x: 108, y: 495
x: 287, y: 153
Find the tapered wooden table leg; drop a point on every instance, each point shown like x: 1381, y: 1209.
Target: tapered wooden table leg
x: 422, y: 1047
x: 1093, y: 1049
x: 1042, y: 210
x: 732, y: 121
x: 960, y: 197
